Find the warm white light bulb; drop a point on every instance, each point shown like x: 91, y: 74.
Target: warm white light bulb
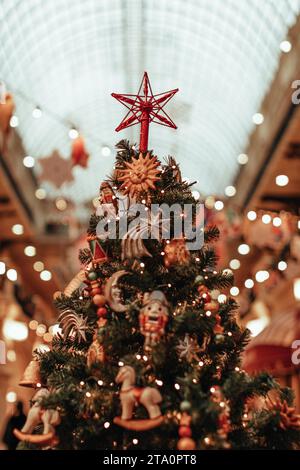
x: 243, y: 159
x: 14, y: 121
x: 17, y: 229
x: 262, y: 276
x: 235, y: 264
x: 222, y: 298
x: 266, y: 218
x: 45, y: 275
x: 277, y: 221
x: 38, y: 266
x: 285, y: 46
x: 249, y: 283
x: 243, y: 249
x: 11, y: 397
x: 230, y: 191
x: 258, y: 118
x: 30, y: 250
x: 12, y: 275
x: 282, y: 265
x: 2, y: 267
x: 251, y: 215
x: 28, y: 161
x: 73, y: 133
x: 219, y: 205
x: 282, y: 180
x: 234, y: 291
x: 40, y: 193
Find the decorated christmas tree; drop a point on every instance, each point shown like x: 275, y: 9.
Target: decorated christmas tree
x: 149, y: 351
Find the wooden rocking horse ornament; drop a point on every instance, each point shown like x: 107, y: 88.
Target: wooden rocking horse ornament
x: 131, y: 396
x: 36, y: 415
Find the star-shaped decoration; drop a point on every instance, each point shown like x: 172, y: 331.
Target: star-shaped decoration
x: 56, y: 170
x: 144, y: 107
x: 188, y: 348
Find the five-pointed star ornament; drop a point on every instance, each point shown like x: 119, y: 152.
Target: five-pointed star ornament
x: 145, y: 108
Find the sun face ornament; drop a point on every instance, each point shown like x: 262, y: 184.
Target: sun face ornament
x: 139, y: 175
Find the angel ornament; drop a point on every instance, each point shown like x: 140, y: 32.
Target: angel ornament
x: 153, y: 318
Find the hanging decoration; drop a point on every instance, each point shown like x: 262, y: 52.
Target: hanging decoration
x: 56, y: 170
x: 96, y: 350
x: 32, y: 376
x: 139, y: 175
x: 98, y: 253
x: 131, y: 396
x: 7, y: 107
x: 289, y: 419
x: 188, y: 348
x: 153, y: 318
x: 176, y: 252
x: 73, y: 325
x: 185, y: 432
x: 107, y: 197
x: 112, y: 292
x: 79, y: 154
x: 36, y: 415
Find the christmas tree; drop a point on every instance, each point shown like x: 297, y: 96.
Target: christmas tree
x: 149, y: 354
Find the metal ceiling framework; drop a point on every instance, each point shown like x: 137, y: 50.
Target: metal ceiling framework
x: 67, y: 56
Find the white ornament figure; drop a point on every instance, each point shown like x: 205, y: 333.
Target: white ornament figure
x: 132, y: 396
x: 36, y: 415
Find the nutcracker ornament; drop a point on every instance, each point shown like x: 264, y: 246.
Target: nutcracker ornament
x: 132, y: 396
x: 107, y: 198
x: 153, y: 318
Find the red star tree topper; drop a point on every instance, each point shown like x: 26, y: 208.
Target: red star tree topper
x: 145, y: 108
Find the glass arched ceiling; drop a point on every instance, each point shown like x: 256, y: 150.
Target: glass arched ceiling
x: 67, y: 56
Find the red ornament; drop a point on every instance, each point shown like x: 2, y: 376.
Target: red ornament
x: 102, y: 312
x: 99, y: 255
x: 99, y: 300
x: 79, y: 154
x: 185, y: 431
x: 145, y: 108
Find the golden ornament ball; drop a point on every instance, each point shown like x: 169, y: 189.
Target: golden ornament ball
x: 186, y: 443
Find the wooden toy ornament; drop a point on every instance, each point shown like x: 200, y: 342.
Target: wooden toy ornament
x: 36, y: 415
x: 153, y: 318
x: 132, y: 396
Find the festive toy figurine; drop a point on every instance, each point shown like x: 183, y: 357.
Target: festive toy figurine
x: 96, y: 351
x: 132, y: 396
x: 108, y: 200
x: 36, y: 415
x: 153, y: 318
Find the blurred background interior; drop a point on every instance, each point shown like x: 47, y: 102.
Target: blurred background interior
x: 235, y: 63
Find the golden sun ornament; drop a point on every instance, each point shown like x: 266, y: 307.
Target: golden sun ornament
x: 140, y: 175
